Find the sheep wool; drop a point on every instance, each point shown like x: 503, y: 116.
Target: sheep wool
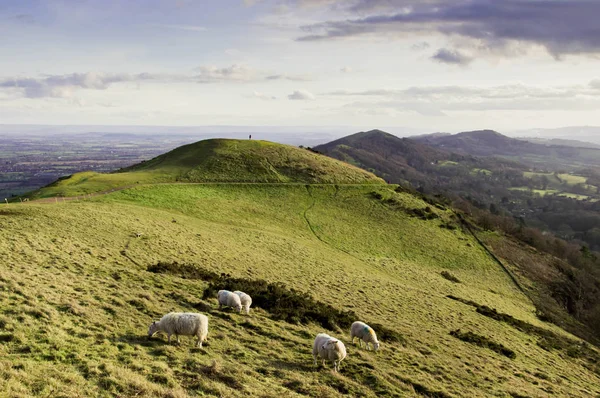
x: 181, y: 324
x: 245, y: 299
x: 330, y: 349
x: 364, y: 333
x: 229, y: 299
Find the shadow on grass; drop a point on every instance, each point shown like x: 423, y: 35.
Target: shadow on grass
x: 298, y: 366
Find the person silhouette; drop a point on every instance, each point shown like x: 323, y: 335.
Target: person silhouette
x: 250, y: 137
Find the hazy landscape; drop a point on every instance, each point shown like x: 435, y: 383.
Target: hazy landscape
x: 300, y: 198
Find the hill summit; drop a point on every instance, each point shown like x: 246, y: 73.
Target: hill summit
x: 219, y: 160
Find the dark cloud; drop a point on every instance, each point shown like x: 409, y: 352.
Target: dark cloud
x: 453, y: 57
x: 561, y: 26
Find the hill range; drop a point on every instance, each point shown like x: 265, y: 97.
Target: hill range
x: 83, y: 279
x: 491, y: 143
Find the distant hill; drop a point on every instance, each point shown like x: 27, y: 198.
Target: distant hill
x: 492, y: 143
x: 580, y: 133
x: 406, y: 159
x: 560, y: 142
x: 219, y: 160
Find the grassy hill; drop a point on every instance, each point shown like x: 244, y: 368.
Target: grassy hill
x: 83, y: 279
x: 218, y: 160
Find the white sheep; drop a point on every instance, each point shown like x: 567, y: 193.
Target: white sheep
x: 330, y: 349
x: 364, y: 333
x: 182, y: 324
x: 245, y: 299
x: 229, y: 299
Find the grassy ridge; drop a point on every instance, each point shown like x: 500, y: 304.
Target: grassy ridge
x: 218, y: 160
x: 76, y: 299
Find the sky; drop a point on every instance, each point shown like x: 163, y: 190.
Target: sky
x: 425, y: 65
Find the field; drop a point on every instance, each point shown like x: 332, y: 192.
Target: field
x: 76, y: 297
x: 562, y: 185
x: 30, y: 161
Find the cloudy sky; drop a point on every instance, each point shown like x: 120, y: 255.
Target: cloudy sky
x: 430, y: 65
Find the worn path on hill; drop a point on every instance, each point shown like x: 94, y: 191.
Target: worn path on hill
x: 56, y: 199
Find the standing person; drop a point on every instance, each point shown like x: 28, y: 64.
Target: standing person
x: 250, y: 137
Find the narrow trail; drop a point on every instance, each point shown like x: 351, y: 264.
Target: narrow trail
x: 492, y: 255
x: 58, y: 199
x: 314, y: 201
x: 126, y: 255
x: 312, y: 229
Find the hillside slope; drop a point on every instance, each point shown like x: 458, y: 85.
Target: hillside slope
x: 218, y: 160
x: 76, y: 297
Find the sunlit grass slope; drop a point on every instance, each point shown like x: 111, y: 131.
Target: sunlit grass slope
x: 219, y: 160
x: 76, y: 298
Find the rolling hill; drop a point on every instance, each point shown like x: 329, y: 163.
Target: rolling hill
x: 82, y: 280
x: 491, y: 143
x: 404, y: 160
x: 217, y: 160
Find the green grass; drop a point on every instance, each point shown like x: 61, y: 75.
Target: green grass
x: 447, y: 163
x: 76, y: 298
x: 481, y: 171
x: 218, y: 160
x: 541, y: 192
x: 572, y: 179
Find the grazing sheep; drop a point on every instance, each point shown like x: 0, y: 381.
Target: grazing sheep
x: 330, y: 349
x: 364, y: 333
x: 245, y: 299
x: 229, y: 299
x: 182, y: 324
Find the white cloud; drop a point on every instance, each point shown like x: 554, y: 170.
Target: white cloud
x: 63, y: 86
x: 233, y: 73
x: 301, y: 95
x: 262, y: 96
x: 293, y: 78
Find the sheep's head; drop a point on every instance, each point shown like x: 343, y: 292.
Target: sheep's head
x: 376, y: 345
x: 330, y: 344
x: 153, y: 328
x: 238, y: 307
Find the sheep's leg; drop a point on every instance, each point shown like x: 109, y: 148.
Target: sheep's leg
x: 335, y: 366
x: 169, y: 338
x: 315, y: 358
